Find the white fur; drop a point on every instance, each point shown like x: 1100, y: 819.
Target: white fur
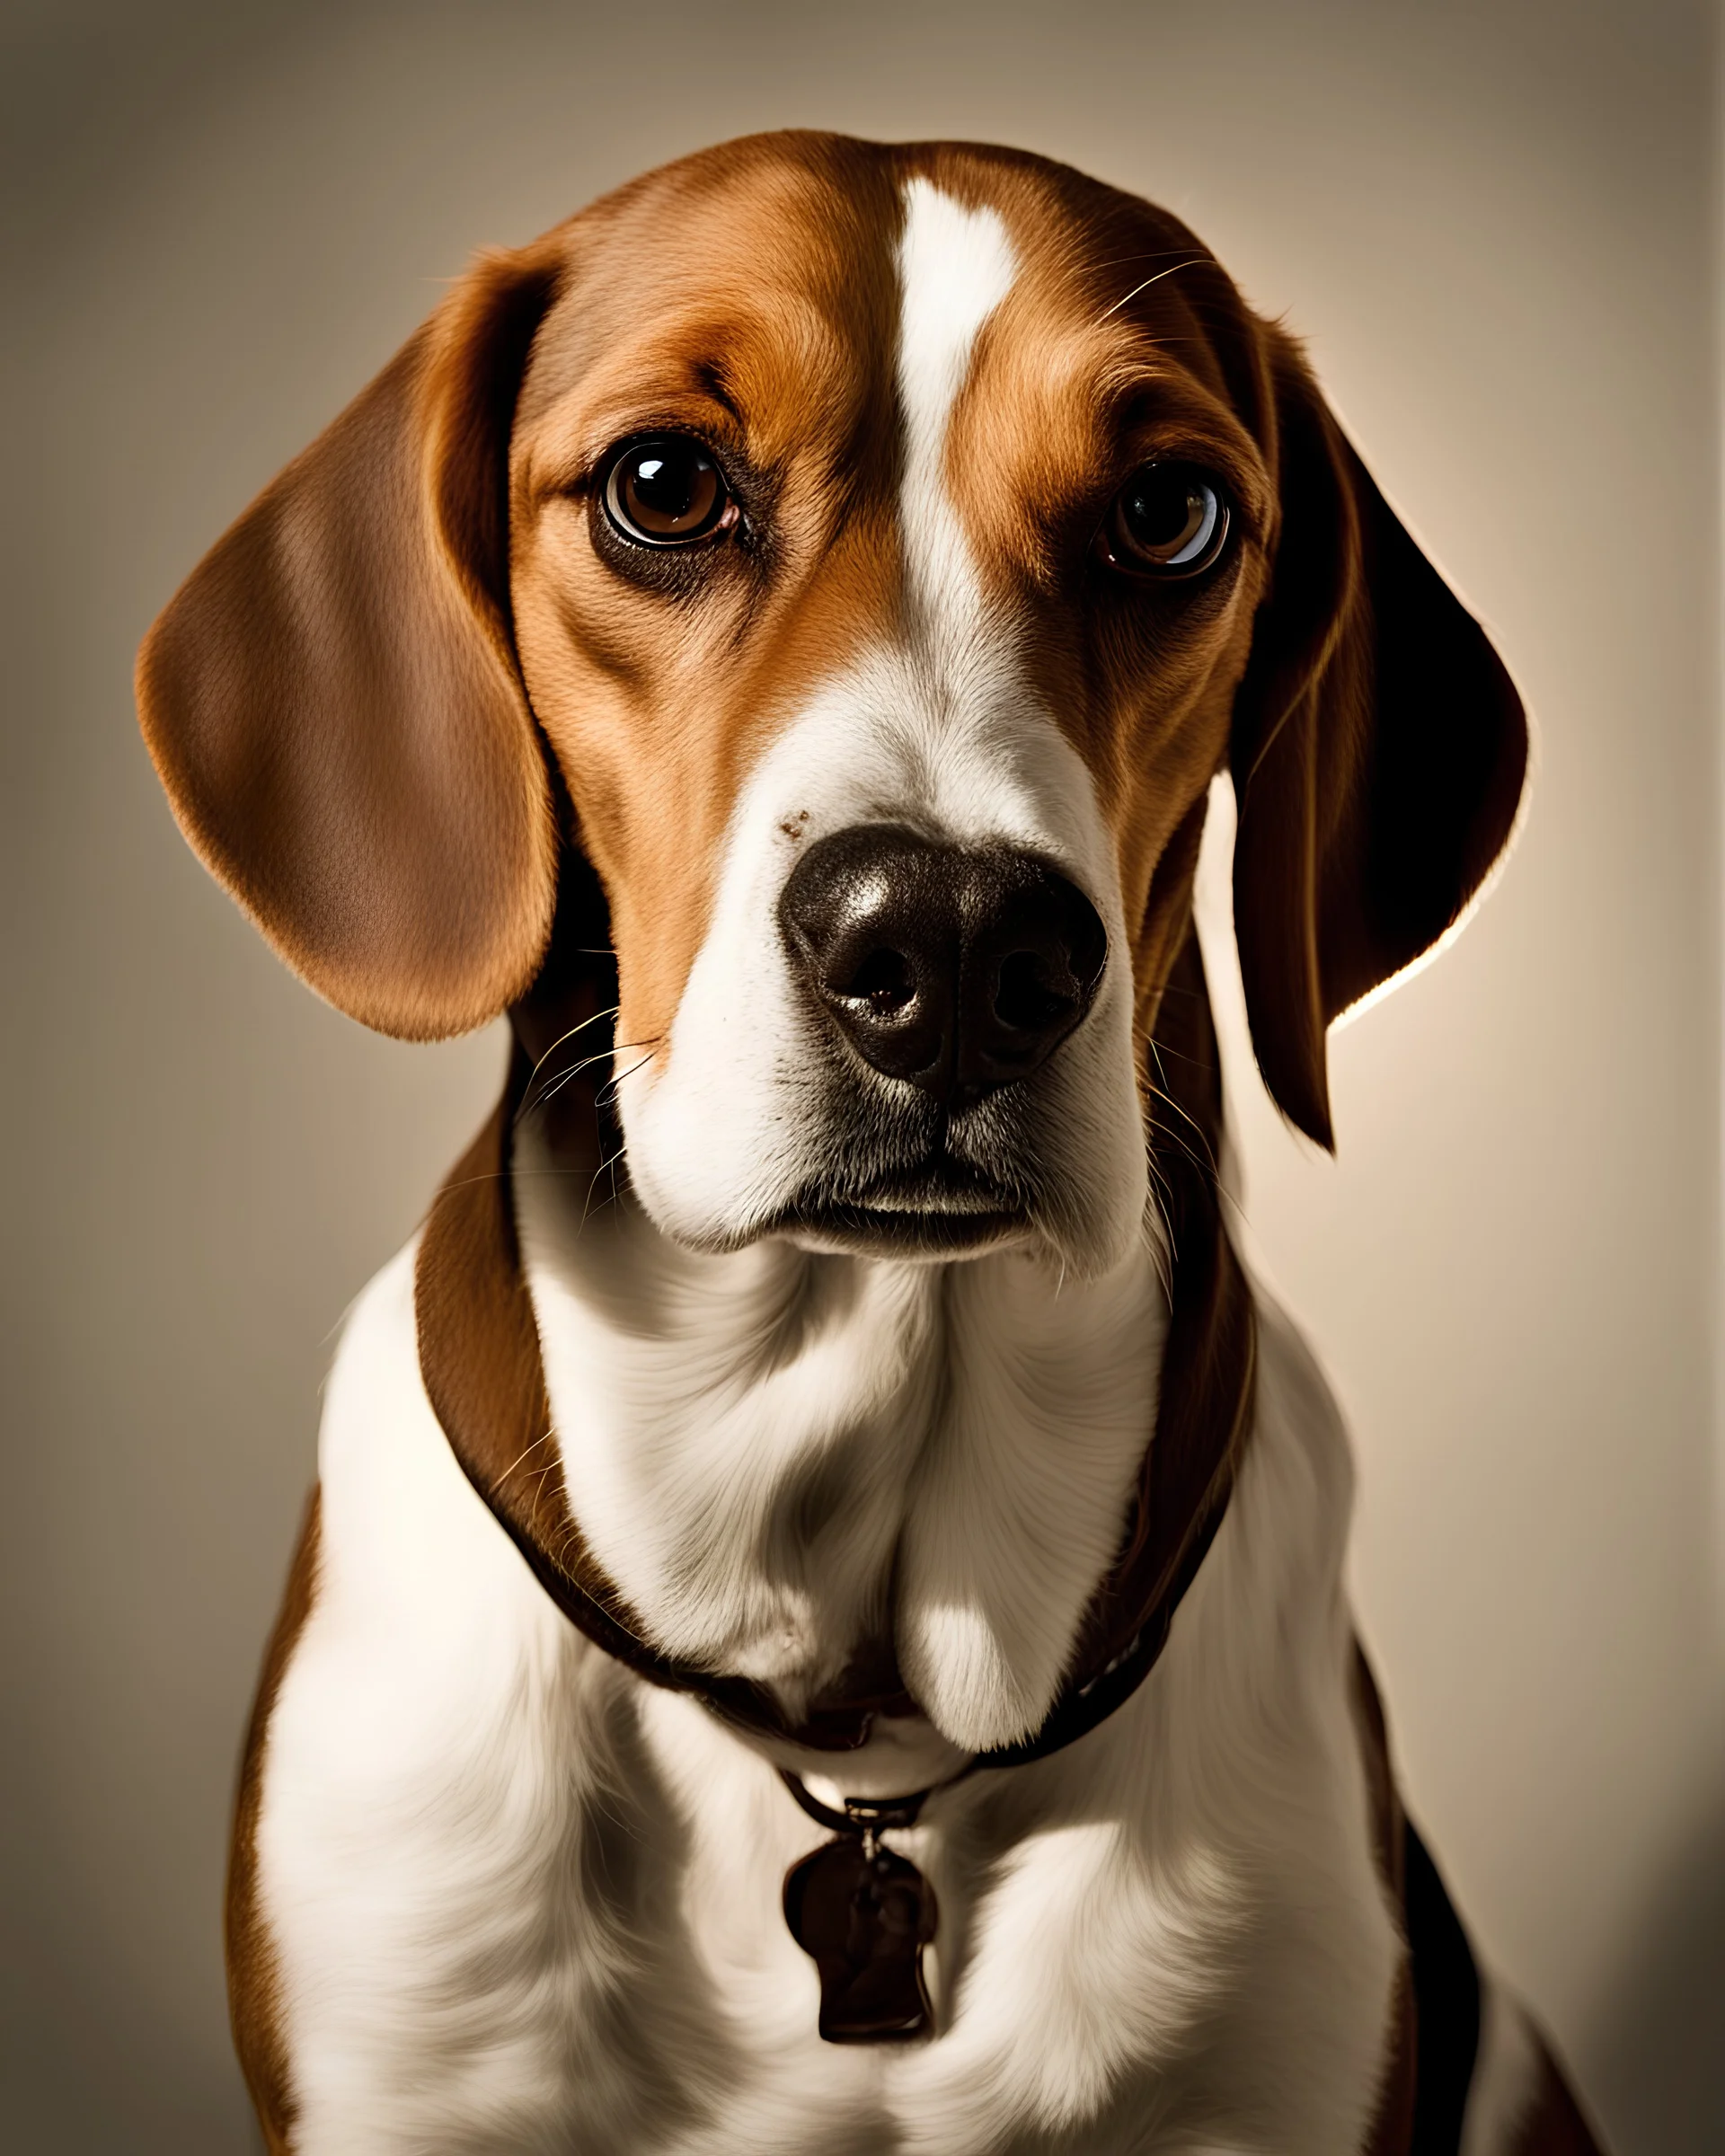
x: 750, y: 1441
x: 434, y: 1800
x: 521, y: 1901
x: 955, y: 267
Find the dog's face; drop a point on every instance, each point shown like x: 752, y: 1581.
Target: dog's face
x: 883, y: 548
x: 880, y: 587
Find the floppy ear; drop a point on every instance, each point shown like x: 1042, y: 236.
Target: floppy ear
x: 332, y: 699
x: 1378, y: 750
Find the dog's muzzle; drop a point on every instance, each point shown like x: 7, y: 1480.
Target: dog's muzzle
x: 955, y: 971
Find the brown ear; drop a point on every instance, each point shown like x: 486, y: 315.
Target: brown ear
x: 1378, y: 751
x: 332, y: 699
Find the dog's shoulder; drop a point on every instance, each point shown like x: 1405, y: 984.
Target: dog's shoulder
x: 445, y: 1875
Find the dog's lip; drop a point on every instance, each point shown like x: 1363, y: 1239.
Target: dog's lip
x: 876, y: 1230
x: 938, y: 1185
x: 942, y: 1205
x: 938, y: 1200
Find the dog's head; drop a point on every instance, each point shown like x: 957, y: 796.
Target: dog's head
x: 865, y: 556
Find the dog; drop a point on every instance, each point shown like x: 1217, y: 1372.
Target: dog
x: 820, y: 1628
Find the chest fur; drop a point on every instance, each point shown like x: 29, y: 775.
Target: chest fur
x: 518, y: 1900
x: 780, y: 1456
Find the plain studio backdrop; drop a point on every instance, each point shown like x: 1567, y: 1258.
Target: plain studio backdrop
x: 1495, y: 225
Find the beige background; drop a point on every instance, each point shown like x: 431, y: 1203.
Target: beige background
x: 1495, y: 224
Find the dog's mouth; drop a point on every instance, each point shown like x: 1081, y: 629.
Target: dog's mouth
x: 938, y: 1208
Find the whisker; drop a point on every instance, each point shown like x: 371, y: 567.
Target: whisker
x: 1158, y: 1186
x: 621, y: 1078
x: 610, y: 1011
x: 1182, y: 1146
x: 1209, y: 1166
x: 544, y: 1438
x: 1178, y: 1110
x: 593, y: 1183
x: 467, y: 1182
x: 1191, y: 262
x: 556, y: 1085
x: 1144, y: 254
x: 600, y: 1102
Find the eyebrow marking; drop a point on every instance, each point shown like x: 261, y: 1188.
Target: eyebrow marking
x: 955, y: 267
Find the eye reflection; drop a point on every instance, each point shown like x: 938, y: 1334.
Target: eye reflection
x: 667, y: 492
x: 1170, y: 520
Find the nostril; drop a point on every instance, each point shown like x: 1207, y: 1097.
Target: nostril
x: 1026, y: 999
x: 885, y: 981
x: 955, y: 970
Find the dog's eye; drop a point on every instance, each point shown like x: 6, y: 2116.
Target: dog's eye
x: 667, y: 492
x: 1168, y: 520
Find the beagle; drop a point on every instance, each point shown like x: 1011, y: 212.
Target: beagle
x: 820, y: 1628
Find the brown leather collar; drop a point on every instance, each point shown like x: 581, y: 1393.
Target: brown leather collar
x: 479, y: 1353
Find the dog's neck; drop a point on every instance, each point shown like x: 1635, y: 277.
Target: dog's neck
x: 780, y: 1456
x: 782, y: 1480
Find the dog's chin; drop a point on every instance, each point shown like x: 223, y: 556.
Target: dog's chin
x: 892, y: 1228
x: 937, y: 1214
x: 867, y: 1172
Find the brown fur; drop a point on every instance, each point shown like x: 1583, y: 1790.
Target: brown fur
x: 332, y: 699
x: 1378, y: 752
x: 253, y: 2005
x: 1392, y: 2129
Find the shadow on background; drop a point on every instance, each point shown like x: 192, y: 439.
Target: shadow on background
x: 1659, y: 2047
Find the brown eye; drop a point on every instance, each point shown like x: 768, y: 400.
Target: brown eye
x: 1168, y: 520
x: 668, y: 492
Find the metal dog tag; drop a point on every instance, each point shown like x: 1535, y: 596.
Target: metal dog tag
x: 865, y: 1915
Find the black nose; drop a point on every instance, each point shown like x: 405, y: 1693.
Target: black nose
x: 957, y: 971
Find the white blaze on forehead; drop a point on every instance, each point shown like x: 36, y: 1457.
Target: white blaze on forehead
x: 955, y: 267
x: 933, y: 724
